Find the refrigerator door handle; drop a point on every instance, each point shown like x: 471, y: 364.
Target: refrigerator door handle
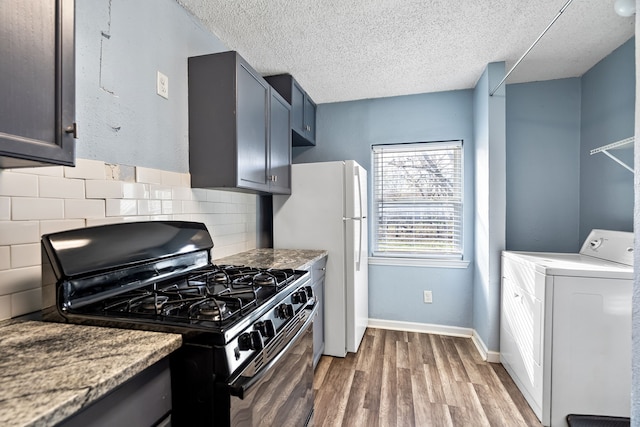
x: 359, y: 248
x: 357, y: 173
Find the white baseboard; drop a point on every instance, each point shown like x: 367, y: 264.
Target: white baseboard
x: 489, y: 356
x: 430, y: 328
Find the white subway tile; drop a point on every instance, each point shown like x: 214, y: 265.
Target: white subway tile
x: 135, y: 190
x: 161, y: 192
x: 182, y: 193
x: 61, y: 188
x: 17, y: 232
x: 86, y: 169
x: 104, y: 221
x: 20, y: 279
x: 171, y: 207
x: 5, y: 257
x: 26, y: 302
x: 26, y: 208
x: 149, y: 207
x: 18, y: 184
x: 44, y: 171
x: 5, y: 307
x: 190, y: 206
x: 199, y: 194
x: 171, y: 178
x: 136, y: 218
x: 57, y: 225
x: 120, y: 207
x: 84, y: 209
x: 182, y: 217
x: 148, y: 175
x: 161, y: 217
x: 99, y: 189
x: 5, y: 208
x: 25, y: 255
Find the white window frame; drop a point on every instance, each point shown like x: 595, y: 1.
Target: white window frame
x: 450, y: 258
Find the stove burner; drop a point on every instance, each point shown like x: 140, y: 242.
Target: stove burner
x: 220, y: 277
x: 153, y: 303
x: 264, y: 279
x: 212, y: 309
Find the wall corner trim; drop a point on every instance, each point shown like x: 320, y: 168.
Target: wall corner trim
x: 488, y: 356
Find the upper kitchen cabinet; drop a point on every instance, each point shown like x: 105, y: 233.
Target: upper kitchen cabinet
x: 303, y: 109
x: 37, y: 82
x: 238, y: 128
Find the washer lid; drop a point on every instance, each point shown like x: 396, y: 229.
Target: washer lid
x: 575, y: 265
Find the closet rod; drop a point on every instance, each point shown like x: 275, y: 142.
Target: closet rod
x: 530, y: 47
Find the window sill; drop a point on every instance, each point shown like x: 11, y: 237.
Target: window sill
x: 419, y: 262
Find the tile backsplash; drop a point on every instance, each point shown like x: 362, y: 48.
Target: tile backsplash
x: 37, y: 201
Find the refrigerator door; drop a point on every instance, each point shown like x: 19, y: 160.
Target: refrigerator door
x: 312, y: 218
x: 357, y: 281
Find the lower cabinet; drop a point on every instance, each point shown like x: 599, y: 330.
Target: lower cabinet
x: 144, y: 400
x: 317, y: 279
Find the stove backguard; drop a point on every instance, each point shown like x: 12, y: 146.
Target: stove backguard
x: 80, y: 267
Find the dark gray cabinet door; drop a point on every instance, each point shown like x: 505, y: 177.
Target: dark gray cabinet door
x: 280, y: 145
x: 303, y: 109
x: 253, y: 143
x: 37, y: 82
x: 309, y: 126
x: 235, y: 140
x: 297, y: 109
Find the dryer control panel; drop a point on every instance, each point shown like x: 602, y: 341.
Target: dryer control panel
x: 610, y: 245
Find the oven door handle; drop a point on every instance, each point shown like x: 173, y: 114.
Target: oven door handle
x: 241, y: 385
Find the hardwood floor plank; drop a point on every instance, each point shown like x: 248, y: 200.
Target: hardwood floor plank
x: 457, y: 367
x: 404, y: 398
x: 413, y: 379
x: 519, y: 402
x: 334, y: 393
x: 388, y: 388
x: 421, y: 399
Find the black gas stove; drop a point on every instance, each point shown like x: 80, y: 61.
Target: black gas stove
x: 239, y: 323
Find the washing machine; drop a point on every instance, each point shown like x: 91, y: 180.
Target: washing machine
x: 565, y: 327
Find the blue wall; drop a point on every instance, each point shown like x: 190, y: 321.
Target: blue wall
x: 608, y: 111
x: 347, y: 130
x: 490, y: 203
x: 121, y: 119
x: 543, y: 166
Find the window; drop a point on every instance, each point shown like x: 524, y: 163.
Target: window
x: 417, y: 206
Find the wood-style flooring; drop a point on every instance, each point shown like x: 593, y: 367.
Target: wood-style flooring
x: 415, y: 379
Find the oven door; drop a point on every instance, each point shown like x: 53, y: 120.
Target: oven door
x: 281, y: 392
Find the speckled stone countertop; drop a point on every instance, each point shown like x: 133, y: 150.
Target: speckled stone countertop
x: 298, y: 259
x: 49, y: 371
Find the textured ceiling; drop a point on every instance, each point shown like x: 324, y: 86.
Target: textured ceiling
x: 343, y: 50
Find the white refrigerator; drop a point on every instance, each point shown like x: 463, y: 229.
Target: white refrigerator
x: 327, y: 209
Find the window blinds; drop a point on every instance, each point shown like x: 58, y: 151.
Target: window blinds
x: 418, y: 199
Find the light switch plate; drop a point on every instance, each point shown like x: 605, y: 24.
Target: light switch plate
x: 162, y: 85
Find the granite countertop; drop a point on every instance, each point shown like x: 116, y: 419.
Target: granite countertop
x: 298, y: 259
x: 50, y: 371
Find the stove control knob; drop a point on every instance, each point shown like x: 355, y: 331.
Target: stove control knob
x: 266, y: 328
x: 309, y: 291
x: 284, y: 311
x: 299, y: 297
x: 250, y: 341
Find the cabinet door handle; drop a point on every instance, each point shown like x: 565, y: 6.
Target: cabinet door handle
x: 73, y: 128
x: 273, y: 178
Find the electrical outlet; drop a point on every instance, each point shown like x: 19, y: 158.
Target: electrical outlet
x: 162, y: 85
x: 428, y: 297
